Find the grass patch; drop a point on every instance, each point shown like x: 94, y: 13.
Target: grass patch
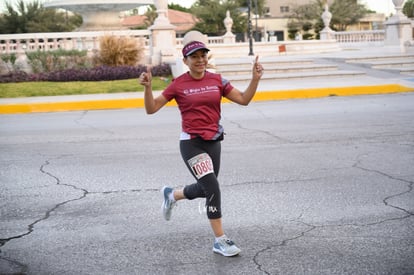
x: 31, y: 89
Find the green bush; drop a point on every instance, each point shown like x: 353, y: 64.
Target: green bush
x: 49, y: 61
x: 9, y: 59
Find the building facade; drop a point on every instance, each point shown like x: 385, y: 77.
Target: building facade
x: 274, y: 23
x: 284, y: 8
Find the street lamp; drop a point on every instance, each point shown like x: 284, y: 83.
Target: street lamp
x: 249, y: 7
x: 256, y: 34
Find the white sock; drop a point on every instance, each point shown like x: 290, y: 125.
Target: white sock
x: 171, y: 196
x: 221, y: 237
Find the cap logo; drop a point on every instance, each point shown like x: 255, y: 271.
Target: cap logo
x: 192, y: 47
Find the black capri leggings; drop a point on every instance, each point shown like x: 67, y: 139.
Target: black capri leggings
x: 202, y: 158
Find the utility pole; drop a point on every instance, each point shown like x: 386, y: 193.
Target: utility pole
x: 249, y: 7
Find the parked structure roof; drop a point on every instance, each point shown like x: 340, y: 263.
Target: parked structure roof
x: 184, y: 21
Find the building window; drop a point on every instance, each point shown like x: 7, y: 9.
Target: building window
x: 266, y: 11
x: 284, y: 9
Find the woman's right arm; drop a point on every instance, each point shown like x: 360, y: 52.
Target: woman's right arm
x: 152, y: 105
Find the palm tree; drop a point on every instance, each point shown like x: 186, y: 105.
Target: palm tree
x: 33, y: 17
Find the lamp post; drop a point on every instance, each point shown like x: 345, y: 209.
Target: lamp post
x: 256, y: 34
x: 249, y: 7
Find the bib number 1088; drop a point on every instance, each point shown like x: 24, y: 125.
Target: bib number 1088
x: 201, y: 165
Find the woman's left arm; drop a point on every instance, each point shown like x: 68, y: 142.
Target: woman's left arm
x: 244, y: 98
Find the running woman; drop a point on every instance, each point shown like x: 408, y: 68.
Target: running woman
x: 198, y: 94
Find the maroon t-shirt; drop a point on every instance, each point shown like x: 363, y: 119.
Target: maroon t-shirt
x: 199, y: 101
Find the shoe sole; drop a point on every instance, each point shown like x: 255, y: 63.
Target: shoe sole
x: 215, y: 250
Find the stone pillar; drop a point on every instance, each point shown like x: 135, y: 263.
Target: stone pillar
x: 163, y: 41
x: 228, y: 37
x: 327, y: 32
x: 398, y: 29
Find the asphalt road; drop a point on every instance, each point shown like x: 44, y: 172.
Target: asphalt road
x: 318, y: 186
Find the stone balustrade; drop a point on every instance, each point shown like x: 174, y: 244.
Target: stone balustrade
x: 27, y: 42
x: 367, y: 38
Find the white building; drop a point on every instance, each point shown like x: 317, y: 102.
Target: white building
x: 277, y: 13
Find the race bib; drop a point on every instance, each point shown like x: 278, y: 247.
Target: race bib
x: 201, y: 165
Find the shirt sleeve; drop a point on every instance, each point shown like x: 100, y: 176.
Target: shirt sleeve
x: 169, y: 92
x: 227, y: 87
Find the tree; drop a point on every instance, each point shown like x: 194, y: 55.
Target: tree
x: 151, y: 15
x: 211, y: 14
x: 33, y: 17
x: 51, y: 21
x: 260, y: 5
x: 344, y: 14
x: 303, y: 18
x: 178, y: 8
x: 408, y: 8
x: 10, y: 22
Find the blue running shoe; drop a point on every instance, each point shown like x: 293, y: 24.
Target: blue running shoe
x: 226, y: 247
x: 167, y: 204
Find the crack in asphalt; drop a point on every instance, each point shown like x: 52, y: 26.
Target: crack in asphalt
x: 79, y: 121
x: 312, y: 227
x: 31, y: 227
x: 48, y: 212
x: 23, y: 267
x: 408, y: 183
x: 282, y: 243
x: 268, y: 133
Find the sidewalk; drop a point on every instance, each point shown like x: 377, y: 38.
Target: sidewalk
x: 372, y: 82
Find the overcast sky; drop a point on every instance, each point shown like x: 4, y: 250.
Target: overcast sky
x: 382, y: 6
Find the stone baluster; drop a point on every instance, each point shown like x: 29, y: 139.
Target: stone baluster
x: 65, y: 43
x: 36, y: 43
x: 83, y: 41
x: 95, y: 43
x: 72, y: 43
x: 7, y: 46
x: 19, y: 47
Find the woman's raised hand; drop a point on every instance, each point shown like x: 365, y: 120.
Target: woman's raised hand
x: 145, y: 78
x: 257, y: 69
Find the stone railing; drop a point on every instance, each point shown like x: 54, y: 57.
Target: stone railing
x: 21, y: 43
x: 27, y: 42
x: 360, y: 38
x: 15, y: 43
x: 210, y: 40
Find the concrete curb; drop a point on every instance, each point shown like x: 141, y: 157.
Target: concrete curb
x: 102, y: 104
